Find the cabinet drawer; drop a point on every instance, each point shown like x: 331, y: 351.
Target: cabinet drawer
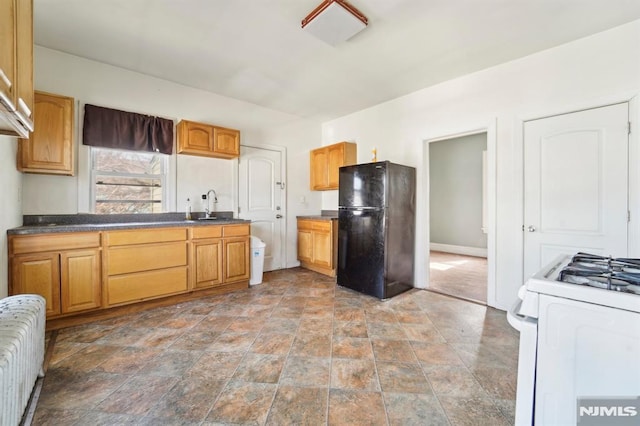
x: 206, y: 232
x: 235, y: 230
x: 144, y: 236
x: 322, y: 225
x: 123, y: 260
x: 314, y: 225
x: 53, y: 242
x: 146, y: 285
x: 305, y: 224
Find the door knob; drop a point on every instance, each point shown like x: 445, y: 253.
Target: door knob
x: 531, y: 228
x: 278, y: 216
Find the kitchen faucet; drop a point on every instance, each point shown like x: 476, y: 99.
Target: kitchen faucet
x: 207, y: 212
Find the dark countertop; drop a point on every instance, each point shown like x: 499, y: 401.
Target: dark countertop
x: 324, y: 215
x: 91, y: 223
x: 318, y: 217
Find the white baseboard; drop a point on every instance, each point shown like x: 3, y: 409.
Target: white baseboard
x: 468, y: 251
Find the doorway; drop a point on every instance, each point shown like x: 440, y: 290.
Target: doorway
x: 261, y: 199
x: 458, y: 217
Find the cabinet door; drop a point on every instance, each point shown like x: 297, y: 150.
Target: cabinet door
x: 195, y: 138
x: 236, y: 255
x: 322, y: 249
x: 80, y: 280
x: 38, y: 274
x: 319, y: 171
x: 335, y: 159
x: 305, y: 245
x: 8, y: 50
x: 208, y: 263
x: 24, y: 59
x: 50, y: 147
x: 226, y: 142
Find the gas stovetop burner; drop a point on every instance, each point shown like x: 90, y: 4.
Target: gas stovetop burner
x: 608, y: 273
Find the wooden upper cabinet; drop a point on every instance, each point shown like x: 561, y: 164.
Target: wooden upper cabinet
x: 8, y: 51
x: 326, y: 162
x: 207, y: 140
x: 49, y: 150
x: 16, y: 67
x: 195, y: 138
x: 24, y: 59
x: 226, y: 142
x: 336, y: 158
x: 319, y: 169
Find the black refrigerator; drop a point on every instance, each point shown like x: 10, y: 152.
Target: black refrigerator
x: 376, y: 228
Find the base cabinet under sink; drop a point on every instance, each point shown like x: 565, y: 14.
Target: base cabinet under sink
x: 90, y: 272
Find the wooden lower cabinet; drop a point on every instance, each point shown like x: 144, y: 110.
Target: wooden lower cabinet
x: 207, y: 256
x: 85, y: 272
x: 317, y: 245
x: 146, y: 285
x: 144, y: 264
x: 146, y: 257
x: 38, y: 274
x: 220, y: 255
x: 80, y: 280
x: 305, y: 244
x: 69, y: 280
x: 236, y: 259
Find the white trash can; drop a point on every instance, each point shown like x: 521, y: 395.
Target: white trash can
x: 257, y: 260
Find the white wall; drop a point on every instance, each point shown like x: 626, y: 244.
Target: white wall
x: 596, y: 70
x: 100, y: 84
x: 11, y: 205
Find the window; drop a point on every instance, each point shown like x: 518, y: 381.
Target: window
x: 128, y: 181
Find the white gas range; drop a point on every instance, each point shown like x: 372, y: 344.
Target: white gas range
x: 576, y: 341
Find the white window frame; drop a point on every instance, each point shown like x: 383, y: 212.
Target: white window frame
x: 93, y: 173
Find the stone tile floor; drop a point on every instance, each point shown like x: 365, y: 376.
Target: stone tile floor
x: 296, y: 349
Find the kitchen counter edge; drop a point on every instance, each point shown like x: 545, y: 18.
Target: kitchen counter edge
x: 93, y: 227
x: 318, y: 217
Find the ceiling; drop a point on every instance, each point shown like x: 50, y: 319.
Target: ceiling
x: 255, y: 50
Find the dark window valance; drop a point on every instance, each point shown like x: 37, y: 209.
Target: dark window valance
x: 111, y: 128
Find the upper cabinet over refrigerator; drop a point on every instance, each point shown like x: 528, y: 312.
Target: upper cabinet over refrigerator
x: 325, y: 164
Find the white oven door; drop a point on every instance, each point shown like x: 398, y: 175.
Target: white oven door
x: 528, y: 328
x: 584, y: 350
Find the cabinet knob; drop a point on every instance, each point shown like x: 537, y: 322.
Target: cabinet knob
x: 278, y: 216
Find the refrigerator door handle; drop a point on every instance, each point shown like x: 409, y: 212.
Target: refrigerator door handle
x: 359, y: 208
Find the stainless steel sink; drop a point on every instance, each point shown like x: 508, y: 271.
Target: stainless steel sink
x: 208, y: 218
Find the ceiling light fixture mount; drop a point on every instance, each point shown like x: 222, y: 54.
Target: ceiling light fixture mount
x: 334, y: 21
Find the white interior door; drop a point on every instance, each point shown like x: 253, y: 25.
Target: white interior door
x: 261, y: 200
x: 575, y: 185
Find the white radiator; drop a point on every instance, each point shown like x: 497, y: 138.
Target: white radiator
x: 22, y: 324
